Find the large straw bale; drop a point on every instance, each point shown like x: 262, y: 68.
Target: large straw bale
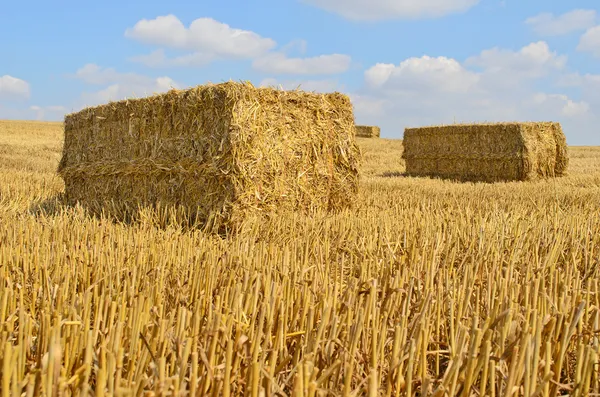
x: 221, y: 150
x: 368, y: 131
x: 487, y: 152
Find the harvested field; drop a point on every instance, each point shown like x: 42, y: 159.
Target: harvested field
x: 487, y: 152
x: 367, y: 131
x: 218, y: 151
x: 426, y: 287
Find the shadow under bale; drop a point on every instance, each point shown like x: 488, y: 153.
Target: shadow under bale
x: 51, y: 206
x: 393, y: 174
x: 159, y: 215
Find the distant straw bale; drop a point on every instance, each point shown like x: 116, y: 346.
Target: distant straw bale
x: 487, y: 152
x: 367, y: 131
x: 221, y: 151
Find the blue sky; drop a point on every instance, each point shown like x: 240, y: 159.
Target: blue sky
x: 403, y: 62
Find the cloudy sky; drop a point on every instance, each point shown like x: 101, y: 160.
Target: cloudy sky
x: 403, y: 62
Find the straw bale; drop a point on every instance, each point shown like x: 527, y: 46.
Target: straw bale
x: 220, y: 150
x: 487, y: 152
x: 368, y: 131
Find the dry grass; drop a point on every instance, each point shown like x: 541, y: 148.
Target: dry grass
x: 428, y: 287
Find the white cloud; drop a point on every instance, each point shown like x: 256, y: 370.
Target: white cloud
x: 587, y: 80
x: 572, y: 108
x: 96, y: 75
x: 378, y: 75
x: 368, y: 107
x: 531, y: 61
x: 165, y: 83
x: 13, y: 88
x: 588, y: 85
x: 419, y: 74
x: 113, y: 92
x: 590, y: 41
x: 547, y: 24
x: 205, y: 37
x: 158, y: 59
x: 120, y: 85
x: 299, y: 45
x: 56, y: 108
x: 496, y: 85
x: 321, y: 86
x: 393, y: 9
x: 119, y: 91
x: 562, y: 103
x: 279, y: 63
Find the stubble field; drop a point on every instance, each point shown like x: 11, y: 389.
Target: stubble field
x: 428, y: 287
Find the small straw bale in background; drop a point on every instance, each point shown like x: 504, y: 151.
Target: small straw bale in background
x: 487, y: 152
x: 219, y: 150
x: 368, y: 131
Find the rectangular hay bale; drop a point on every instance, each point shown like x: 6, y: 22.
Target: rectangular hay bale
x: 220, y: 150
x: 368, y: 131
x: 511, y: 151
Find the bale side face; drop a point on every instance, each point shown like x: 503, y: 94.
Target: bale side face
x: 171, y: 148
x: 481, y: 152
x: 221, y: 149
x: 296, y: 151
x: 546, y: 149
x: 367, y: 131
x: 562, y: 150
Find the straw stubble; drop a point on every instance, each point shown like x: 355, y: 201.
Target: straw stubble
x: 427, y: 288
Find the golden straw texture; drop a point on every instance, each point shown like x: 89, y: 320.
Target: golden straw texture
x: 424, y: 288
x: 368, y: 131
x: 487, y: 152
x: 220, y: 151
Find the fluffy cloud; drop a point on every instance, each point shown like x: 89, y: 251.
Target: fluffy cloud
x: 120, y: 85
x: 496, y: 85
x: 421, y: 74
x: 561, y: 104
x: 322, y: 86
x: 96, y: 75
x: 119, y: 91
x: 298, y: 45
x: 392, y: 9
x: 279, y: 63
x: 587, y: 84
x: 158, y: 59
x: 590, y: 41
x: 13, y: 88
x: 205, y: 38
x: 547, y: 24
x: 578, y: 80
x: 369, y: 107
x: 531, y: 61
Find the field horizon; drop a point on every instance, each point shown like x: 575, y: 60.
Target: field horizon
x: 60, y: 123
x: 426, y: 287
